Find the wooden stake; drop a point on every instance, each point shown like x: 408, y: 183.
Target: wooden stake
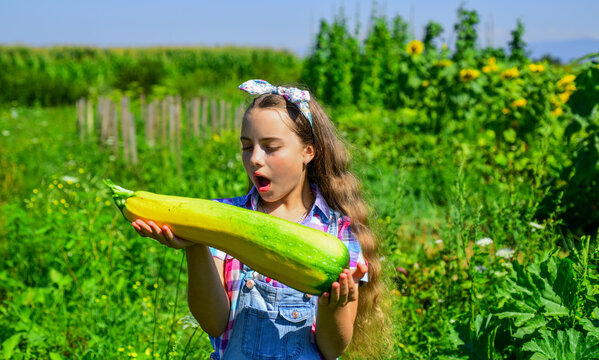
x: 125, y: 127
x: 90, y: 118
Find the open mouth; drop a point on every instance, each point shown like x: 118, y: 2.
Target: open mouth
x: 262, y: 183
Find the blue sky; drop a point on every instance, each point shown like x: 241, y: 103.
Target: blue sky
x: 278, y: 24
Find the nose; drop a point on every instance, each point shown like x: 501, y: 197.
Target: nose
x: 257, y: 158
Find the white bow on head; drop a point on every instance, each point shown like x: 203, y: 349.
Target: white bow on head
x: 299, y: 97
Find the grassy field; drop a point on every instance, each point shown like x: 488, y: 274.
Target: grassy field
x: 78, y: 282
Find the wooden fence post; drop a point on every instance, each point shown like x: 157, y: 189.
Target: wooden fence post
x: 195, y: 114
x: 125, y: 127
x: 81, y: 118
x: 204, y: 123
x: 90, y: 118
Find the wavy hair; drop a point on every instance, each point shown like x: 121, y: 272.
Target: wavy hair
x: 329, y: 170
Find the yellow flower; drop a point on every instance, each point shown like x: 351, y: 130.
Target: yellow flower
x: 536, y: 67
x: 148, y: 351
x: 568, y: 79
x: 491, y: 65
x: 570, y: 88
x: 557, y: 111
x: 121, y: 349
x: 35, y: 191
x: 468, y: 74
x: 55, y: 202
x: 443, y: 63
x: 511, y: 73
x: 62, y: 201
x: 415, y: 47
x: 81, y: 171
x: 555, y: 101
x: 519, y: 102
x: 425, y: 83
x: 505, y: 111
x: 564, y: 97
x: 50, y: 186
x: 215, y: 137
x: 60, y: 186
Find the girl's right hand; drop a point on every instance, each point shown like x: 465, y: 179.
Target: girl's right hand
x: 163, y: 235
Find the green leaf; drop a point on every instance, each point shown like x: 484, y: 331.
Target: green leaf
x: 519, y: 312
x: 55, y: 356
x: 510, y: 135
x: 8, y: 346
x: 55, y: 276
x: 530, y: 327
x: 566, y: 345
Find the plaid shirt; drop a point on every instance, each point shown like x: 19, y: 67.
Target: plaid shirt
x: 318, y: 218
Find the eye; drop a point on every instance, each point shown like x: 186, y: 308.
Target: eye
x: 246, y: 148
x: 271, y: 148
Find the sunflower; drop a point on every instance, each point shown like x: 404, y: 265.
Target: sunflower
x: 519, y: 102
x: 415, y: 47
x: 510, y: 73
x: 536, y: 67
x: 467, y: 75
x: 568, y: 79
x: 443, y: 63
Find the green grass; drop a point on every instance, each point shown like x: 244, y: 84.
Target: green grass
x: 78, y: 282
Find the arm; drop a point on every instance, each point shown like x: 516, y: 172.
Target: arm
x: 337, y: 312
x: 206, y: 296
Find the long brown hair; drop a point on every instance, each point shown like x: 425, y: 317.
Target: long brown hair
x: 329, y: 170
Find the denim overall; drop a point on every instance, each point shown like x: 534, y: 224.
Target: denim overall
x: 273, y: 323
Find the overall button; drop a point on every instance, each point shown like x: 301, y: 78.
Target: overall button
x: 249, y: 284
x: 294, y: 314
x: 307, y: 296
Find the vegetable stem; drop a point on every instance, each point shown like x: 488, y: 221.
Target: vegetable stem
x: 119, y: 194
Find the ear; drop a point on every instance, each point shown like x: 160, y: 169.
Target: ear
x: 309, y: 152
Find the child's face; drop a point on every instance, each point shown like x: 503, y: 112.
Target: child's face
x: 273, y: 155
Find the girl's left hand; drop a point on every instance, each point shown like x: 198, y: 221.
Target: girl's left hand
x: 345, y: 289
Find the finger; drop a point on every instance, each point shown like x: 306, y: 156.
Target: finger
x: 168, y: 234
x: 334, y: 301
x: 158, y: 234
x: 359, y: 272
x: 141, y: 228
x: 144, y: 226
x: 137, y: 228
x: 324, y: 299
x: 155, y: 228
x: 343, y: 288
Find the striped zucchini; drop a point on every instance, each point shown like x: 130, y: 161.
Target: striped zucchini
x: 303, y: 258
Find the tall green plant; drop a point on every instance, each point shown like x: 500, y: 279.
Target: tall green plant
x: 316, y: 65
x: 374, y: 64
x: 432, y: 31
x: 467, y: 36
x: 517, y: 44
x: 339, y: 76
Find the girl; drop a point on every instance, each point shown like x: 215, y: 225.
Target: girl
x: 298, y: 170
